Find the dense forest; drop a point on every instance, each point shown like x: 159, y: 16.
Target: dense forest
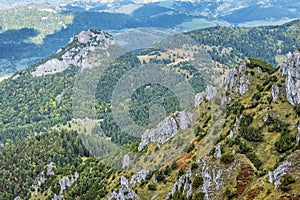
x: 228, y: 45
x: 32, y: 104
x: 23, y: 161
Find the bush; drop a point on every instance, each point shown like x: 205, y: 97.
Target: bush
x: 152, y: 187
x: 246, y: 120
x: 190, y: 148
x: 178, y: 195
x: 174, y: 164
x: 276, y: 124
x: 198, y: 196
x: 180, y: 172
x: 256, y: 96
x: 236, y: 108
x: 227, y: 158
x: 297, y: 109
x: 160, y: 176
x: 197, y: 182
x: 194, y: 166
x: 259, y: 88
x: 285, y: 182
x: 230, y: 192
x: 254, y: 159
x: 243, y: 148
x: 251, y: 134
x: 285, y: 143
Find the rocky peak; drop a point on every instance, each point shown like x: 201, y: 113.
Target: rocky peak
x: 291, y: 70
x: 76, y: 52
x: 237, y: 80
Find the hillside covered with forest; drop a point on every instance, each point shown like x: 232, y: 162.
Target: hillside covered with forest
x: 214, y: 114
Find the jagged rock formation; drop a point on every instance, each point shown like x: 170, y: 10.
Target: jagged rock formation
x: 139, y: 177
x: 126, y: 161
x: 292, y: 164
x: 274, y: 177
x: 218, y: 151
x: 208, y: 94
x: 215, y: 177
x: 183, y: 183
x: 65, y: 182
x: 291, y: 70
x: 237, y: 80
x: 76, y: 53
x: 166, y: 129
x: 125, y: 192
x: 275, y: 92
x: 42, y: 178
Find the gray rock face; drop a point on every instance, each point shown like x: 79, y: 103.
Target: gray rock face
x: 231, y: 134
x: 166, y: 129
x: 42, y: 178
x: 236, y: 80
x: 65, y: 182
x: 124, y: 181
x: 184, y: 183
x: 274, y: 177
x: 298, y: 137
x: 218, y: 151
x: 50, y: 168
x: 57, y: 197
x: 199, y: 98
x: 183, y: 119
x: 125, y: 192
x: 139, y: 177
x: 291, y: 70
x: 215, y: 177
x: 275, y: 92
x: 87, y: 42
x: 126, y: 161
x: 209, y: 93
x: 259, y: 70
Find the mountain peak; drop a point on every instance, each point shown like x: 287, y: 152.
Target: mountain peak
x: 92, y: 38
x: 80, y: 46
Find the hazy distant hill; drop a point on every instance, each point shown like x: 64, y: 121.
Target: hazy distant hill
x: 55, y: 25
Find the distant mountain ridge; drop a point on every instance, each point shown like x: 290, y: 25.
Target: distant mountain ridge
x: 53, y: 22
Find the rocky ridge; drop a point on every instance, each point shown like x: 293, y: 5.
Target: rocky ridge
x: 237, y: 80
x: 75, y: 53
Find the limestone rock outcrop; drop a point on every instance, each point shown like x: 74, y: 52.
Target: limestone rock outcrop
x: 291, y: 70
x: 76, y: 52
x: 166, y: 129
x: 275, y: 92
x: 209, y: 93
x: 237, y: 80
